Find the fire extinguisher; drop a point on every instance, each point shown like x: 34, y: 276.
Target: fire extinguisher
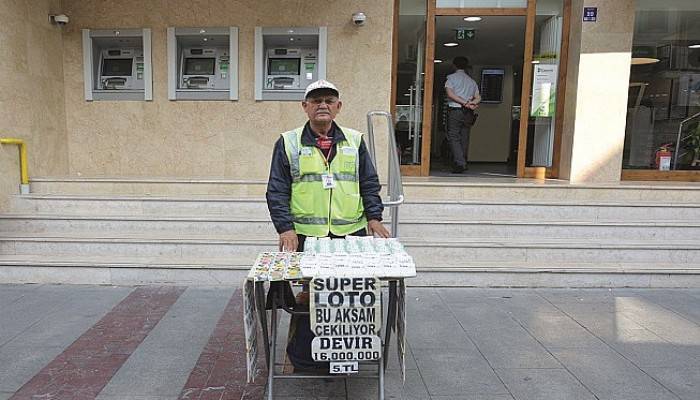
x: 663, y: 157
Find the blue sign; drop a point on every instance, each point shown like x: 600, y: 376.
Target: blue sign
x: 590, y: 14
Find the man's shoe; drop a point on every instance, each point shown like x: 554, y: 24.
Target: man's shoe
x: 458, y: 170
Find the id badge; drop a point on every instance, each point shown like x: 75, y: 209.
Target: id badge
x: 328, y: 181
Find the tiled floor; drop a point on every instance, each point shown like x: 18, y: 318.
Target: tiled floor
x: 158, y: 343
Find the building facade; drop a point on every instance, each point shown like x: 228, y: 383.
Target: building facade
x: 624, y: 79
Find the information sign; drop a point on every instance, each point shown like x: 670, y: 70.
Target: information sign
x: 544, y: 88
x: 590, y: 14
x: 346, y: 319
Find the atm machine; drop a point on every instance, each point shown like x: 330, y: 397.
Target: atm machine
x: 287, y: 60
x: 204, y: 68
x: 117, y: 64
x: 121, y: 69
x: 290, y: 69
x: 203, y: 63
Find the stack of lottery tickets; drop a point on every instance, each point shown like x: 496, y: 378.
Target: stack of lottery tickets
x: 387, y: 265
x: 353, y: 245
x: 354, y: 257
x: 276, y: 266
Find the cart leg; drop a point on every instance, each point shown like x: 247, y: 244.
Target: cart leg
x: 273, y: 344
x: 381, y: 378
x: 262, y: 316
x: 390, y: 321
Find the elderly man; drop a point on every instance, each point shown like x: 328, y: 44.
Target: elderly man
x: 322, y: 184
x: 322, y: 181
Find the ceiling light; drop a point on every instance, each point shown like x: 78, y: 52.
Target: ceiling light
x: 450, y: 44
x: 472, y: 19
x: 694, y: 46
x: 644, y: 60
x: 437, y: 61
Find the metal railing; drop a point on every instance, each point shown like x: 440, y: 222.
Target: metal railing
x: 681, y: 139
x: 23, y: 169
x: 395, y: 185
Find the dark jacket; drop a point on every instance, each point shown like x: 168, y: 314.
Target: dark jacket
x: 279, y: 186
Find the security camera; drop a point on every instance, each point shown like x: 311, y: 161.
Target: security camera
x: 60, y: 19
x: 359, y: 18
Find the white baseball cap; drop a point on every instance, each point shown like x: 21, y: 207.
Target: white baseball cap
x: 320, y: 84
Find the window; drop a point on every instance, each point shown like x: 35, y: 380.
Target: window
x: 663, y: 108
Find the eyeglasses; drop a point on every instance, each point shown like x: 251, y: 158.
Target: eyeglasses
x: 317, y: 101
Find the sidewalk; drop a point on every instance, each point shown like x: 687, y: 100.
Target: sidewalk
x: 166, y: 342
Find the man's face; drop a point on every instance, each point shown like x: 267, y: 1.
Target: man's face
x: 322, y: 107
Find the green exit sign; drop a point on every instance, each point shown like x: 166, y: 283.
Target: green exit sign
x: 467, y: 34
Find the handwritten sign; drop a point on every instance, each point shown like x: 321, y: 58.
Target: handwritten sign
x: 346, y: 319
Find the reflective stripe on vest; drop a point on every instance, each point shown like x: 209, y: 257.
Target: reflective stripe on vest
x: 317, y: 211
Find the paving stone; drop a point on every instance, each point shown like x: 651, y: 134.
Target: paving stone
x: 513, y: 348
x: 686, y: 305
x: 683, y: 382
x: 5, y: 395
x: 309, y: 388
x: 28, y: 310
x: 543, y: 384
x: 161, y: 365
x: 10, y: 293
x: 609, y: 376
x: 475, y: 397
x: 394, y: 387
x: 25, y: 355
x: 560, y: 331
x: 461, y: 295
x: 453, y: 372
x: 483, y: 315
x: 432, y: 319
x: 19, y: 363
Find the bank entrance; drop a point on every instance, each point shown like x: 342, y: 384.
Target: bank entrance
x: 516, y: 52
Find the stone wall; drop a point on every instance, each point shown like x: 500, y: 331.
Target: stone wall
x: 31, y: 92
x: 220, y: 139
x: 597, y: 88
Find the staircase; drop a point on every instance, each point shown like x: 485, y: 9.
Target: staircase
x: 134, y: 231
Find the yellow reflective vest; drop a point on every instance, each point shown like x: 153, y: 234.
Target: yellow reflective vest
x: 316, y: 210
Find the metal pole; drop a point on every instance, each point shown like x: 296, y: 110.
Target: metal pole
x: 273, y: 345
x: 381, y: 378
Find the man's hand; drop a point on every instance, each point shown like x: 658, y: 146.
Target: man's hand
x: 289, y: 241
x: 375, y: 227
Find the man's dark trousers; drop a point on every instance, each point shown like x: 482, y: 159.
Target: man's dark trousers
x: 458, y: 136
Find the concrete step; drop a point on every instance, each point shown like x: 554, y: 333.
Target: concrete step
x: 415, y: 189
x: 170, y: 226
x: 141, y: 205
x: 550, y: 210
x: 426, y: 252
x: 256, y: 207
x: 147, y: 186
x: 550, y: 190
x: 133, y: 270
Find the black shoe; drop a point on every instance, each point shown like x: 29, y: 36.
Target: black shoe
x: 458, y: 170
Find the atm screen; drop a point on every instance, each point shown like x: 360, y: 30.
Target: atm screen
x: 284, y: 66
x: 116, y: 67
x: 200, y: 66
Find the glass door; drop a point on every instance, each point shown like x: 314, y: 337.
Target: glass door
x: 409, y: 53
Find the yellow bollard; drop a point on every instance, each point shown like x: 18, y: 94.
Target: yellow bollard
x: 24, y: 174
